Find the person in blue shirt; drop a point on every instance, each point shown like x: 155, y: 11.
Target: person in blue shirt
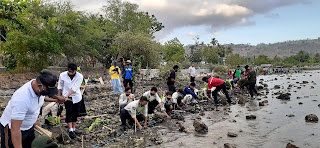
x: 128, y: 74
x: 189, y: 94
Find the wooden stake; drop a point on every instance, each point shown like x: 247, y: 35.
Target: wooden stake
x: 82, y: 140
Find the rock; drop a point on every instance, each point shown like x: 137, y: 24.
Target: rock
x: 300, y: 103
x: 285, y: 96
x: 158, y: 115
x: 178, y: 117
x: 289, y: 145
x: 275, y: 78
x: 261, y: 104
x: 202, y: 114
x: 138, y: 142
x: 230, y: 134
x: 242, y: 100
x: 200, y: 126
x: 251, y: 117
x: 312, y: 87
x: 228, y: 145
x: 305, y: 82
x: 319, y: 105
x: 3, y: 106
x: 276, y: 87
x: 260, y: 87
x: 311, y: 118
x: 182, y: 128
x: 291, y: 115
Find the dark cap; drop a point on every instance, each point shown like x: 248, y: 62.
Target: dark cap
x: 246, y: 67
x: 49, y: 80
x: 144, y: 98
x: 238, y: 66
x: 193, y: 84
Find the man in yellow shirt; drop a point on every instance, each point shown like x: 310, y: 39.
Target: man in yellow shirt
x: 115, y: 71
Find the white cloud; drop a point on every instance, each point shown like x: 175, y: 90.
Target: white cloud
x: 216, y: 14
x: 217, y: 34
x: 191, y: 34
x: 232, y: 10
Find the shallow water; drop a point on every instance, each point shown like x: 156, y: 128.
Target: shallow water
x: 272, y: 128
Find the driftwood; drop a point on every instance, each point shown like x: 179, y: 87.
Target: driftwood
x: 43, y: 131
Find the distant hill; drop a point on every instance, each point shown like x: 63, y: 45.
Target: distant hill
x: 282, y: 49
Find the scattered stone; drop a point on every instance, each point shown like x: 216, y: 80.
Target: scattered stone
x: 276, y: 87
x: 228, y: 145
x: 300, y: 103
x: 200, y: 126
x: 158, y: 115
x: 202, y: 114
x: 304, y: 82
x: 242, y: 100
x: 285, y: 96
x: 261, y: 104
x: 289, y: 145
x: 312, y: 87
x: 182, y: 128
x: 260, y: 87
x: 311, y: 118
x: 298, y: 97
x: 275, y: 78
x: 233, y: 120
x: 251, y: 117
x: 291, y: 115
x: 265, y: 85
x: 319, y: 105
x: 230, y: 134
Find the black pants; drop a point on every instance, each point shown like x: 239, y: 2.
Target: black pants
x: 72, y: 111
x: 151, y: 106
x: 192, y: 79
x: 252, y: 88
x: 82, y: 111
x: 126, y: 81
x: 167, y: 107
x: 124, y: 115
x: 26, y: 136
x: 172, y: 88
x: 224, y: 89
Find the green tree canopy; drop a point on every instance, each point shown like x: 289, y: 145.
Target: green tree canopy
x: 173, y: 50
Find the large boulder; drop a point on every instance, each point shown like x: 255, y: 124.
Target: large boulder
x: 289, y: 145
x: 312, y: 118
x: 284, y: 96
x: 228, y: 145
x: 251, y: 117
x: 230, y: 134
x: 200, y: 126
x: 242, y: 100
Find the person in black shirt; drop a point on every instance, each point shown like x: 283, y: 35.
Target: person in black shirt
x: 172, y: 79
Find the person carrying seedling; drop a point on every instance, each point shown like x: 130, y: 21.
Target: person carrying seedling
x: 177, y: 98
x: 154, y: 101
x: 126, y: 98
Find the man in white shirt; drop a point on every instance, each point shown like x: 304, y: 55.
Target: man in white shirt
x: 135, y: 111
x: 154, y: 101
x: 177, y: 98
x: 22, y: 111
x: 69, y: 87
x: 192, y: 73
x: 126, y: 98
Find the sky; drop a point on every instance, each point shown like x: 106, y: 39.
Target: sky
x: 229, y: 21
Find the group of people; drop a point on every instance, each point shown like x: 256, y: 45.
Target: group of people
x: 137, y: 110
x: 22, y: 112
x: 245, y: 78
x: 21, y: 115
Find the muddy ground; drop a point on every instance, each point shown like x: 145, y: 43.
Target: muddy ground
x: 179, y: 131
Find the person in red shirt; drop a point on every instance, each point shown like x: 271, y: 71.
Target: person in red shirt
x: 218, y: 84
